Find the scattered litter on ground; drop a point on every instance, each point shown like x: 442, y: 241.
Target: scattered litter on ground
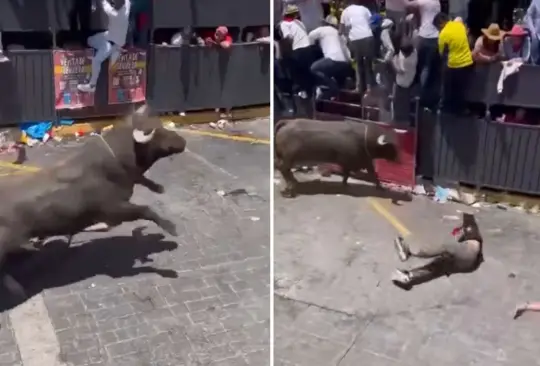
x: 239, y: 192
x: 502, y: 206
x: 450, y: 217
x: 255, y: 218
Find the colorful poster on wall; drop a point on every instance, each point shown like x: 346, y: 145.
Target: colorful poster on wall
x: 71, y: 68
x: 127, y: 77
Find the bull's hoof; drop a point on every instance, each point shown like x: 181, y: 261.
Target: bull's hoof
x: 287, y: 193
x: 159, y: 189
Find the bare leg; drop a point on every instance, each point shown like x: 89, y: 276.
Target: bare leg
x: 528, y: 306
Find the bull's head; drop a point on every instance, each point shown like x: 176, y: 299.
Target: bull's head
x: 388, y: 146
x: 152, y: 140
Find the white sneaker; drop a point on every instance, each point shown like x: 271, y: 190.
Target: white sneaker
x: 400, y: 277
x: 86, y: 88
x: 3, y: 58
x: 401, y: 249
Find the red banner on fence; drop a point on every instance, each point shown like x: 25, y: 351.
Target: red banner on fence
x: 72, y: 68
x: 127, y: 77
x: 402, y: 173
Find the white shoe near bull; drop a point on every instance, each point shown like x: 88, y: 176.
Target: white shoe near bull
x: 91, y: 189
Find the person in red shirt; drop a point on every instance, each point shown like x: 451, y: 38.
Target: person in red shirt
x: 219, y: 37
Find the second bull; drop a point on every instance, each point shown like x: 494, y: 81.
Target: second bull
x: 351, y: 145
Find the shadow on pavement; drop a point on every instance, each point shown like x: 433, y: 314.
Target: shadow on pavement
x: 315, y: 187
x: 56, y: 265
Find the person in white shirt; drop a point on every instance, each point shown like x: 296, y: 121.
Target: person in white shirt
x: 108, y: 44
x: 332, y: 70
x: 404, y: 65
x: 297, y: 51
x: 429, y: 60
x: 311, y: 12
x: 355, y: 24
x: 3, y: 58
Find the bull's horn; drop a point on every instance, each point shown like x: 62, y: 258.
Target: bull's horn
x: 141, y: 137
x: 381, y: 140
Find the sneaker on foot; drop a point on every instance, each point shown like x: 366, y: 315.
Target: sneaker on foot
x: 401, y: 279
x: 402, y: 249
x: 86, y: 88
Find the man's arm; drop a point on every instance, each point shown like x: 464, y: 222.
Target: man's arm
x: 226, y: 43
x: 314, y: 35
x: 343, y: 27
x: 478, y: 54
x: 109, y: 10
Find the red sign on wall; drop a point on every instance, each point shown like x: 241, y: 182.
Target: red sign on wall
x: 71, y: 68
x: 127, y: 77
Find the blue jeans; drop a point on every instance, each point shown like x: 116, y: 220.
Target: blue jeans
x: 331, y: 73
x: 428, y: 71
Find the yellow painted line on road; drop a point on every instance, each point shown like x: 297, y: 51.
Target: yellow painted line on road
x: 225, y: 136
x: 393, y: 220
x: 26, y: 168
x: 17, y: 172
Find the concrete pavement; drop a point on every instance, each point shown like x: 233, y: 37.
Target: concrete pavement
x: 137, y: 297
x: 335, y: 303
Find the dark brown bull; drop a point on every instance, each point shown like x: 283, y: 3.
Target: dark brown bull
x: 352, y: 145
x: 92, y: 186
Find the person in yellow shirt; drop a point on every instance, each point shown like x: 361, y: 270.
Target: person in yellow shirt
x: 454, y: 46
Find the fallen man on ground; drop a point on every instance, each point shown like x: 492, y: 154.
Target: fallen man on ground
x: 463, y: 254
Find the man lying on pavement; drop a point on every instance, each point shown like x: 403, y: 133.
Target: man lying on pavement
x: 461, y: 255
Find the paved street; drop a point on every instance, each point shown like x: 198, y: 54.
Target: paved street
x: 335, y: 303
x: 137, y: 297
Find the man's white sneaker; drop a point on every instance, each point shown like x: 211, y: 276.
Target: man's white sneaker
x: 401, y: 249
x: 400, y: 277
x: 86, y: 88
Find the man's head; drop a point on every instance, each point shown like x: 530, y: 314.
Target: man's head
x: 291, y: 11
x: 221, y: 33
x: 440, y: 20
x: 493, y: 33
x: 406, y: 47
x: 468, y: 230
